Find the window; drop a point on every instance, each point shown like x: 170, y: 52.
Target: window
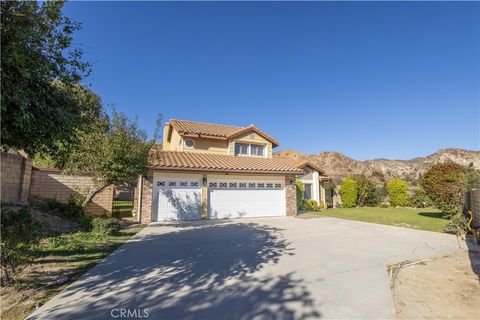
x: 183, y: 184
x: 242, y: 185
x: 223, y: 184
x: 278, y: 186
x: 250, y: 149
x: 261, y: 185
x: 251, y: 185
x: 189, y: 144
x: 241, y: 148
x: 257, y: 150
x: 213, y: 185
x: 270, y: 185
x: 172, y: 183
x: 307, y: 194
x: 233, y: 185
x: 161, y: 183
x: 194, y: 184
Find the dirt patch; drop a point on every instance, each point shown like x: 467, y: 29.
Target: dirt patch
x: 49, y: 224
x: 445, y: 287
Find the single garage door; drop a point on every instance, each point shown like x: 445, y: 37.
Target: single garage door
x: 178, y: 199
x: 246, y: 198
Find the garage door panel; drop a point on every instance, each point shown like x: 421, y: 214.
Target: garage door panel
x: 239, y: 198
x: 178, y: 199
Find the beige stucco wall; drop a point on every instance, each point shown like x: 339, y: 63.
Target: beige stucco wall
x: 216, y: 146
x: 311, y: 177
x: 208, y: 146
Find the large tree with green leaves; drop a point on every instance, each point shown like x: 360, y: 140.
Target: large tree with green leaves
x: 366, y: 191
x: 114, y: 150
x: 42, y: 103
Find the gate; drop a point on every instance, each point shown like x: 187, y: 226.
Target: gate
x: 123, y: 202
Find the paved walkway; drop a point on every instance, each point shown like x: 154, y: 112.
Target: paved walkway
x: 268, y: 268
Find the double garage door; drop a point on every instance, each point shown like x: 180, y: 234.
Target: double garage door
x: 181, y: 198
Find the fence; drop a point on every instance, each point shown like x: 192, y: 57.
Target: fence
x: 123, y: 202
x: 472, y: 203
x: 20, y: 181
x: 16, y: 172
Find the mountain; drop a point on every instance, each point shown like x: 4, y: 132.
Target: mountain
x: 339, y: 166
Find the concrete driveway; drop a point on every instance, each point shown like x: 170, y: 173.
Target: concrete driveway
x: 269, y: 268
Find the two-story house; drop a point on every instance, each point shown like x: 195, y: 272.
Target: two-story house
x: 214, y: 171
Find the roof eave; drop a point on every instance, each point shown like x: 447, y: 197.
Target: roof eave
x: 223, y: 170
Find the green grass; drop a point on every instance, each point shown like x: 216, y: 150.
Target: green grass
x: 68, y: 255
x: 425, y: 219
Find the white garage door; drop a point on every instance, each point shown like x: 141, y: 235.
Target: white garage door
x: 246, y: 198
x: 178, y: 199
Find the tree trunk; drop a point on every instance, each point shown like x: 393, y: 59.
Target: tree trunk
x: 92, y: 193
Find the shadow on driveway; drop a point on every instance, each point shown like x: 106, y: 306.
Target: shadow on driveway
x: 196, y: 271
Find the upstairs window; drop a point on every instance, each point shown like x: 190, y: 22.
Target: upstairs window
x: 249, y: 149
x: 257, y: 150
x: 242, y: 148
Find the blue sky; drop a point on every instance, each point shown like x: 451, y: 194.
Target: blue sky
x: 368, y: 79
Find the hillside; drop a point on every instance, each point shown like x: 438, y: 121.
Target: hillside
x: 340, y: 166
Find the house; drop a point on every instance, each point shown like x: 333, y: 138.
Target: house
x: 214, y: 171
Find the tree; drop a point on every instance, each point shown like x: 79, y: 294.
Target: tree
x: 366, y: 191
x: 445, y: 184
x: 397, y: 192
x: 114, y: 150
x: 41, y: 101
x: 348, y: 192
x: 472, y: 176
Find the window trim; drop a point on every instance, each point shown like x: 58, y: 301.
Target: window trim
x: 185, y: 143
x: 249, y: 149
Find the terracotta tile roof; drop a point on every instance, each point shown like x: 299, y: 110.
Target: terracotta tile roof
x: 305, y: 163
x: 186, y: 127
x: 260, y: 132
x: 203, y: 128
x: 193, y: 161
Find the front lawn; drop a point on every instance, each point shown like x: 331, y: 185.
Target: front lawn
x: 59, y: 261
x: 425, y: 219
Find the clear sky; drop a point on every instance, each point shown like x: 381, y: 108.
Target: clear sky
x: 369, y: 79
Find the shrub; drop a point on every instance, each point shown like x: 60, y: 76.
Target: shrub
x: 300, y: 189
x: 397, y: 192
x: 419, y: 199
x: 457, y: 224
x: 106, y: 226
x: 366, y: 192
x: 328, y: 185
x: 445, y: 185
x: 313, y: 205
x: 66, y: 242
x: 382, y: 193
x: 348, y: 192
x: 19, y: 235
x: 71, y: 210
